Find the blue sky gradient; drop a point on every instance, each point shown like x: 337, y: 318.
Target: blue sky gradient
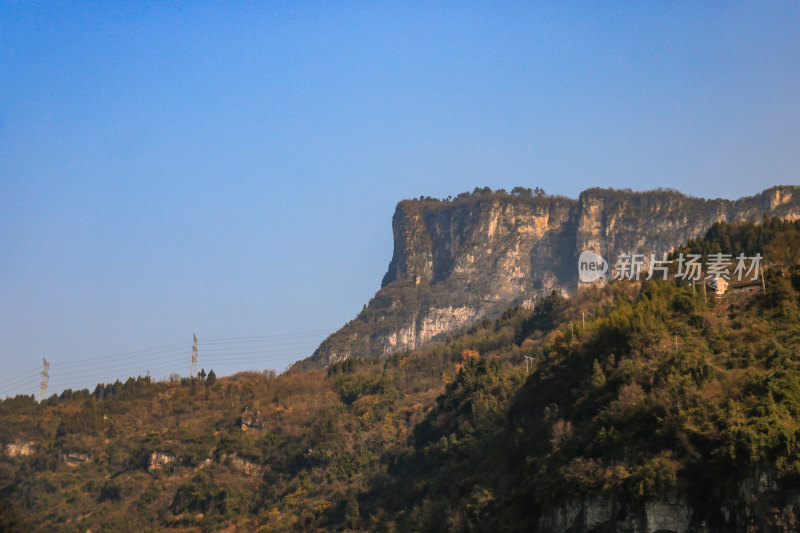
x: 231, y: 169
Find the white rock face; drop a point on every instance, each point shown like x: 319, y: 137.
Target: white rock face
x: 402, y: 338
x: 759, y: 502
x: 436, y: 322
x: 597, y: 511
x: 245, y: 466
x: 666, y: 514
x: 19, y: 448
x: 756, y: 484
x: 159, y: 460
x: 561, y: 518
x: 471, y: 258
x: 578, y: 515
x: 440, y: 321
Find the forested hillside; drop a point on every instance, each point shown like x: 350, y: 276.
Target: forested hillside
x: 638, y: 406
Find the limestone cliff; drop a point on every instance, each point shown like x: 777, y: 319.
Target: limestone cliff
x: 757, y: 502
x: 459, y: 260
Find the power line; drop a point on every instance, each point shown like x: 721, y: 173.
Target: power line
x: 129, y: 366
x: 28, y: 384
x: 118, y: 369
x: 32, y: 379
x: 251, y: 360
x: 33, y: 372
x: 117, y: 376
x: 112, y: 365
x: 265, y: 348
x: 266, y: 357
x: 274, y: 342
x: 295, y: 334
x: 175, y: 364
x: 128, y: 355
x: 262, y: 348
x: 292, y: 348
x: 176, y: 349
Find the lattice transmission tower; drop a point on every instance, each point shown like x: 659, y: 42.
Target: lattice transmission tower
x: 193, y: 369
x: 45, y: 378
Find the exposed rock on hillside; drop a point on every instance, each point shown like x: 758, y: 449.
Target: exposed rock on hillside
x: 159, y: 460
x: 20, y: 448
x: 461, y: 260
x: 74, y: 458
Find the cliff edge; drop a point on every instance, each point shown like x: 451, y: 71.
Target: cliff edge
x: 464, y: 259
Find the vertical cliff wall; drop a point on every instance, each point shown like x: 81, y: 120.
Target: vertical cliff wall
x: 457, y: 261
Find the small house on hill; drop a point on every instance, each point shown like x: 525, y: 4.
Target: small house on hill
x: 747, y: 286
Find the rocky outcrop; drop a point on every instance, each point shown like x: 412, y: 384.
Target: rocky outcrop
x: 159, y: 460
x: 19, y: 448
x: 583, y: 515
x: 252, y: 421
x: 240, y: 464
x: 457, y: 261
x: 669, y: 513
x: 74, y: 458
x: 758, y: 502
x: 437, y: 321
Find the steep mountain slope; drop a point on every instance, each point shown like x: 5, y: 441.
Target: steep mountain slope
x: 665, y: 412
x: 460, y: 260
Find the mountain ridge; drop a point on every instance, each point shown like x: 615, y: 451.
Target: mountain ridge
x: 462, y: 259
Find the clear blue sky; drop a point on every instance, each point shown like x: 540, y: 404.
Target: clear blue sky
x: 231, y: 169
